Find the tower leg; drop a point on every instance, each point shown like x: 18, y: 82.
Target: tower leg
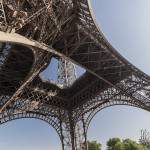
x: 73, y: 135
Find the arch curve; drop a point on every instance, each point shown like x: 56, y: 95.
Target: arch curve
x: 111, y: 103
x: 52, y: 121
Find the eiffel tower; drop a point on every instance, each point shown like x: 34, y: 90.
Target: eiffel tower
x: 32, y: 33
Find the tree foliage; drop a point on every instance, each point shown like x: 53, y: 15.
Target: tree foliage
x: 127, y: 144
x: 93, y: 145
x: 117, y: 144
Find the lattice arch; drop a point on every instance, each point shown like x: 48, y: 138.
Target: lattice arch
x: 95, y: 110
x: 51, y: 120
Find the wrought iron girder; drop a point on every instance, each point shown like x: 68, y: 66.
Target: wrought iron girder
x: 69, y: 27
x: 58, y: 13
x: 90, y: 109
x: 106, y: 67
x: 106, y: 82
x: 51, y: 120
x: 72, y: 134
x: 37, y: 67
x: 133, y: 83
x: 89, y: 115
x: 112, y: 97
x: 124, y: 86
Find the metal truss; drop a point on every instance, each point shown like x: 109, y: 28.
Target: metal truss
x: 66, y: 73
x: 66, y: 30
x: 3, y: 21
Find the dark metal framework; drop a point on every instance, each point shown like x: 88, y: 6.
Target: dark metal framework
x: 33, y: 32
x: 66, y: 73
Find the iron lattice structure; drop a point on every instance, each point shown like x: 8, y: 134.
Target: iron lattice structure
x: 66, y: 73
x: 35, y: 31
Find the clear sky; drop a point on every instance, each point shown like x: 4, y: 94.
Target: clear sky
x: 126, y: 24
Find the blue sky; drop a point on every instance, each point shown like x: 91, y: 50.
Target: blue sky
x: 126, y: 25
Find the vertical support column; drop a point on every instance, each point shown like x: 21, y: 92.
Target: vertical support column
x: 84, y: 134
x: 72, y: 131
x: 62, y: 136
x: 81, y: 135
x: 74, y: 135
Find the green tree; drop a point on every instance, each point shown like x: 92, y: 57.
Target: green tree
x: 93, y: 145
x: 131, y: 145
x: 127, y: 144
x: 119, y: 146
x: 114, y: 143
